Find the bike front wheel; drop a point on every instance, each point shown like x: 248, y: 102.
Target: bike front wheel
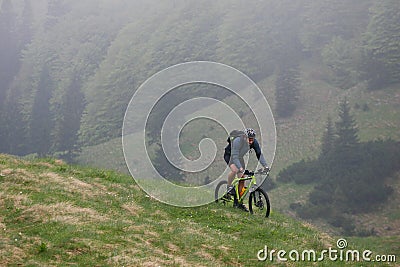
x: 259, y: 203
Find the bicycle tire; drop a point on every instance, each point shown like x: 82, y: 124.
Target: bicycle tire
x: 259, y: 203
x: 220, y: 191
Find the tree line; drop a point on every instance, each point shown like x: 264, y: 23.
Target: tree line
x: 69, y: 69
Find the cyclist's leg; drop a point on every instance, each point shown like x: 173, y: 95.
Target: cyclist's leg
x: 241, y: 183
x: 234, y: 171
x: 240, y: 188
x: 232, y: 174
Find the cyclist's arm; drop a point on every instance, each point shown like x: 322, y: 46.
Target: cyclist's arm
x: 259, y: 154
x: 235, y: 151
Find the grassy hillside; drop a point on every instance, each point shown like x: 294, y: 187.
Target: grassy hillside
x: 55, y: 214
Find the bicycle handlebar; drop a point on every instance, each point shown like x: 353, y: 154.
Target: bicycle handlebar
x: 260, y: 171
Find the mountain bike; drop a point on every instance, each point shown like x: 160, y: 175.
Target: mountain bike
x: 258, y: 199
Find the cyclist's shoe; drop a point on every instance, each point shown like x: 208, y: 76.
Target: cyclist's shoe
x: 242, y: 207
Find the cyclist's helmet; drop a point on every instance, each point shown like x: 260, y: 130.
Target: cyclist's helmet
x: 250, y: 132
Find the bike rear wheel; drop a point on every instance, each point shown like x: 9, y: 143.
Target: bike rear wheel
x: 220, y: 192
x: 259, y: 203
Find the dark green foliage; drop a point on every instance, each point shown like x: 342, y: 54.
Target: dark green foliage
x: 302, y: 172
x: 243, y: 39
x: 258, y: 37
x: 164, y: 167
x: 69, y: 47
x: 327, y: 34
x: 68, y: 124
x: 349, y: 176
x: 325, y: 19
x: 344, y: 189
x: 328, y: 139
x: 114, y: 47
x: 381, y: 61
x: 344, y: 222
x: 175, y: 97
x: 341, y: 57
x: 11, y: 138
x: 287, y: 86
x: 8, y: 47
x: 161, y: 110
x: 14, y: 133
x: 346, y: 129
x: 178, y: 35
x: 41, y: 119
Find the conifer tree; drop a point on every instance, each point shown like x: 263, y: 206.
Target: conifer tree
x: 346, y: 159
x: 69, y: 118
x: 13, y: 130
x: 41, y: 120
x: 346, y: 128
x: 381, y: 62
x: 8, y: 63
x: 8, y: 47
x: 382, y: 43
x: 287, y: 88
x: 328, y: 139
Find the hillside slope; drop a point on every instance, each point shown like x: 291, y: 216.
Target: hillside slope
x: 55, y: 214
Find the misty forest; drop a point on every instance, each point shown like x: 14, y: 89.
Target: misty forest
x: 69, y: 68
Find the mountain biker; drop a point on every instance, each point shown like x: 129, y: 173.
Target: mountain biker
x: 233, y: 156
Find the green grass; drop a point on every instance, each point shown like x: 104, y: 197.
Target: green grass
x: 53, y: 214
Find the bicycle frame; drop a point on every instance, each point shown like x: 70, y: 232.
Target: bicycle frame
x: 250, y: 188
x: 258, y: 201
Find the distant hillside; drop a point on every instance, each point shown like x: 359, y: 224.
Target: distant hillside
x: 299, y: 137
x: 69, y: 68
x: 55, y: 214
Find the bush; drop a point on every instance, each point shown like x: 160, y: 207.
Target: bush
x: 344, y: 222
x: 346, y: 184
